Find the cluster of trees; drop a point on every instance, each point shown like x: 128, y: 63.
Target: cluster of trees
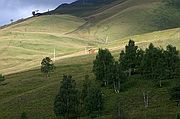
x: 70, y: 102
x: 153, y: 63
x: 107, y: 70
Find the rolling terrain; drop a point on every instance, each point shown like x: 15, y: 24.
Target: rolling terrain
x: 108, y: 25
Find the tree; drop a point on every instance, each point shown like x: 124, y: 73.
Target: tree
x: 171, y: 59
x: 175, y: 94
x: 93, y: 101
x: 67, y: 101
x: 47, y: 66
x: 118, y: 77
x: 154, y: 64
x: 86, y: 86
x: 139, y: 59
x: 2, y: 78
x: 33, y: 13
x: 128, y: 57
x: 178, y: 116
x: 11, y: 20
x: 159, y: 64
x: 103, y: 66
x: 24, y: 116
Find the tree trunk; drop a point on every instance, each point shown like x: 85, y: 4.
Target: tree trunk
x: 119, y: 86
x: 130, y: 71
x: 146, y: 99
x: 177, y: 103
x: 160, y: 83
x: 114, y: 85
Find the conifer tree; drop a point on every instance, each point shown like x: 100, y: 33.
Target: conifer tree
x: 139, y: 58
x: 178, y: 116
x: 119, y: 77
x: 103, y: 66
x: 128, y: 58
x: 67, y: 101
x: 86, y: 86
x: 171, y: 59
x: 93, y: 101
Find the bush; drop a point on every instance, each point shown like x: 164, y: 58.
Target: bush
x: 2, y: 78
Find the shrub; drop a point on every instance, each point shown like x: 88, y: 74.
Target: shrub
x: 2, y: 78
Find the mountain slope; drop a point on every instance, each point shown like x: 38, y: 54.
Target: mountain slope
x: 23, y: 45
x: 30, y: 92
x: 130, y: 17
x: 29, y: 41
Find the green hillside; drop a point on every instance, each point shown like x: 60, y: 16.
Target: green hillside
x: 108, y: 24
x: 30, y: 40
x: 129, y: 18
x: 26, y: 43
x: 32, y: 93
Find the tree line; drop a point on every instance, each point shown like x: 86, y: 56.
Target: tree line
x: 153, y: 63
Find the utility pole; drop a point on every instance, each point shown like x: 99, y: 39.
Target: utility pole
x: 85, y: 50
x: 107, y: 38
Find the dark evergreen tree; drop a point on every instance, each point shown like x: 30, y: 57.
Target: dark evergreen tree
x: 175, y: 94
x: 103, y: 66
x: 178, y: 116
x: 139, y: 58
x: 128, y: 58
x: 171, y: 59
x: 93, y: 101
x: 154, y: 64
x: 86, y: 86
x: 119, y: 77
x: 66, y: 103
x: 47, y: 66
x: 24, y: 116
x: 159, y: 64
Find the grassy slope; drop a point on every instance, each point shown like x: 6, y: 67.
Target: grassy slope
x: 25, y: 43
x: 31, y: 92
x: 125, y: 19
